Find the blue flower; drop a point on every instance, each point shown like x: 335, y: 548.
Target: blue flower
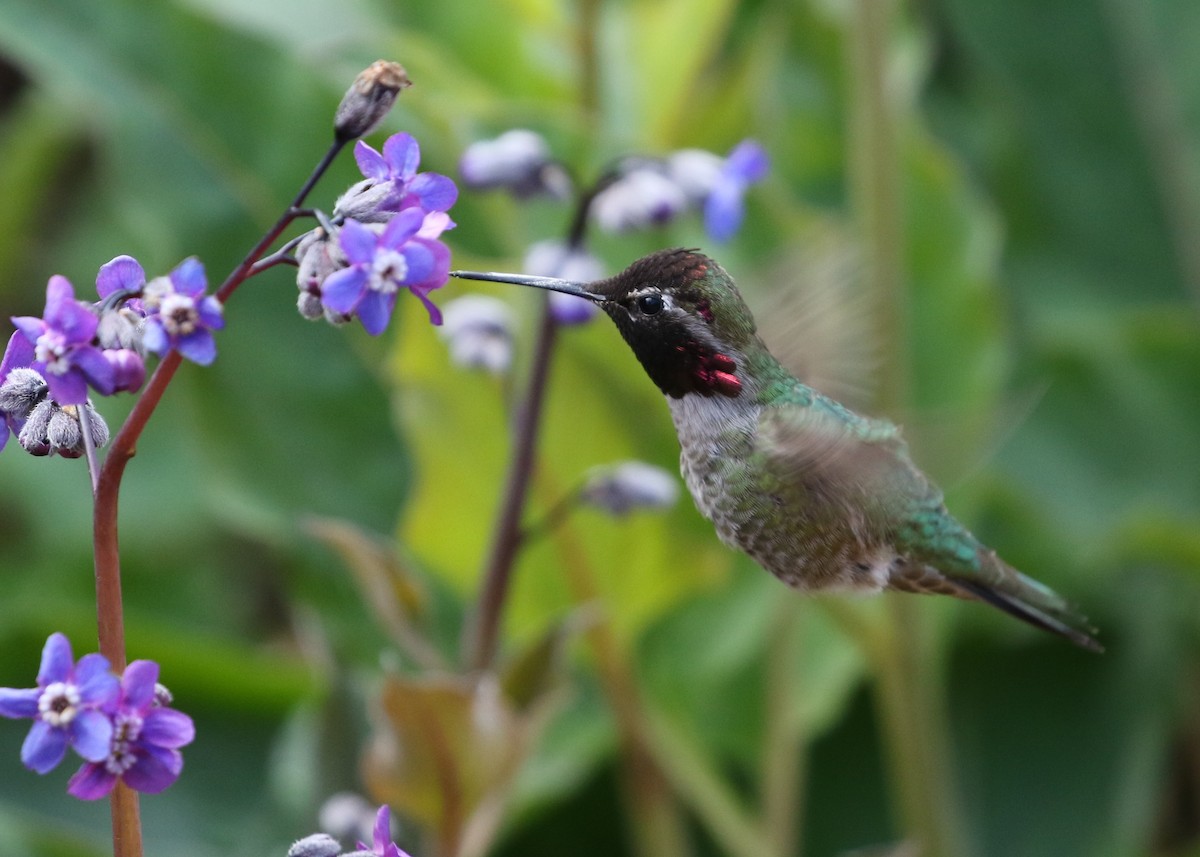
x: 68, y: 707
x: 146, y: 736
x: 724, y: 209
x: 396, y: 169
x: 384, y: 259
x: 179, y: 315
x: 62, y: 346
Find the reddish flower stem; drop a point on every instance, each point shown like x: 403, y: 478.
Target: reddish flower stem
x: 127, y: 831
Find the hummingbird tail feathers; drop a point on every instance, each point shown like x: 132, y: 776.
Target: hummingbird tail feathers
x: 1040, y: 606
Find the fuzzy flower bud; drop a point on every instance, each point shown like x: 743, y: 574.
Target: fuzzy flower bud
x: 642, y: 197
x: 21, y: 392
x: 369, y: 99
x: 518, y: 161
x: 621, y: 488
x: 54, y: 429
x: 478, y: 330
x: 317, y: 845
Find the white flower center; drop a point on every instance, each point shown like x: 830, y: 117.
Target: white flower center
x: 126, y: 728
x: 51, y: 349
x: 388, y: 270
x: 179, y: 315
x: 59, y: 703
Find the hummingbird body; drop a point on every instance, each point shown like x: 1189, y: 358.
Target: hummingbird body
x: 823, y: 498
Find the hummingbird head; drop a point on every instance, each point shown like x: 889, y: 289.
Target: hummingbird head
x: 679, y: 311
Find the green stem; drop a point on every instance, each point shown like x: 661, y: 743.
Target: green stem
x: 908, y: 689
x: 717, y: 807
x: 783, y: 751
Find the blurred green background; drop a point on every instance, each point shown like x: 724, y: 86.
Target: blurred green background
x: 1014, y: 190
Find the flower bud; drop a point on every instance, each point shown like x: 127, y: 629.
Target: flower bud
x: 33, y: 434
x: 478, y: 330
x: 317, y: 845
x: 129, y: 369
x: 640, y: 198
x: 21, y: 392
x: 369, y: 99
x: 119, y: 328
x: 622, y: 488
x: 518, y: 161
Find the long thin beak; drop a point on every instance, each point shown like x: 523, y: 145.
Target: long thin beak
x: 552, y: 283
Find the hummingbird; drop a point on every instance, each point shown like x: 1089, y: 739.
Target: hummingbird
x: 822, y: 497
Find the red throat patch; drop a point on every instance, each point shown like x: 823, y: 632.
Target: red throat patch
x: 715, y: 373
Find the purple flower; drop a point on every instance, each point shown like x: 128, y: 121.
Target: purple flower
x: 123, y: 273
x: 68, y: 707
x: 384, y: 259
x: 145, y: 739
x: 62, y: 346
x: 382, y: 845
x: 179, y: 315
x: 393, y: 183
x: 724, y: 209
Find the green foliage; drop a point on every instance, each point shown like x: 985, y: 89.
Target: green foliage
x: 1048, y: 161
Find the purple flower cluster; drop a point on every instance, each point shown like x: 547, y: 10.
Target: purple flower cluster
x: 384, y: 238
x: 53, y: 361
x: 121, y: 727
x: 637, y: 193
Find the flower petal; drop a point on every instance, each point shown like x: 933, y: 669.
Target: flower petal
x: 199, y: 346
x: 403, y: 155
x: 154, y: 338
x: 68, y: 389
x: 748, y: 161
x: 370, y: 163
x: 155, y: 769
x: 137, y: 684
x: 343, y: 290
x: 420, y: 262
x: 435, y: 314
x: 91, y: 733
x: 401, y: 228
x: 91, y: 782
x: 57, y: 660
x: 19, y: 352
x: 382, y: 833
x: 97, y: 685
x: 434, y: 191
x: 15, y: 703
x: 212, y: 313
x: 166, y: 727
x: 375, y: 311
x: 723, y: 210
x: 44, y: 747
x: 358, y: 242
x: 123, y: 272
x: 188, y: 277
x: 96, y: 368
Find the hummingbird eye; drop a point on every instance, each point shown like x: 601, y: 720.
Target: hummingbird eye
x: 650, y: 304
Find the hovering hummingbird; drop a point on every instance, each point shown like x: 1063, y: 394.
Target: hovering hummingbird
x: 821, y: 497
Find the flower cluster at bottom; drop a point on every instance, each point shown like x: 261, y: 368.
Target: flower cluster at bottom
x: 121, y: 727
x: 324, y: 845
